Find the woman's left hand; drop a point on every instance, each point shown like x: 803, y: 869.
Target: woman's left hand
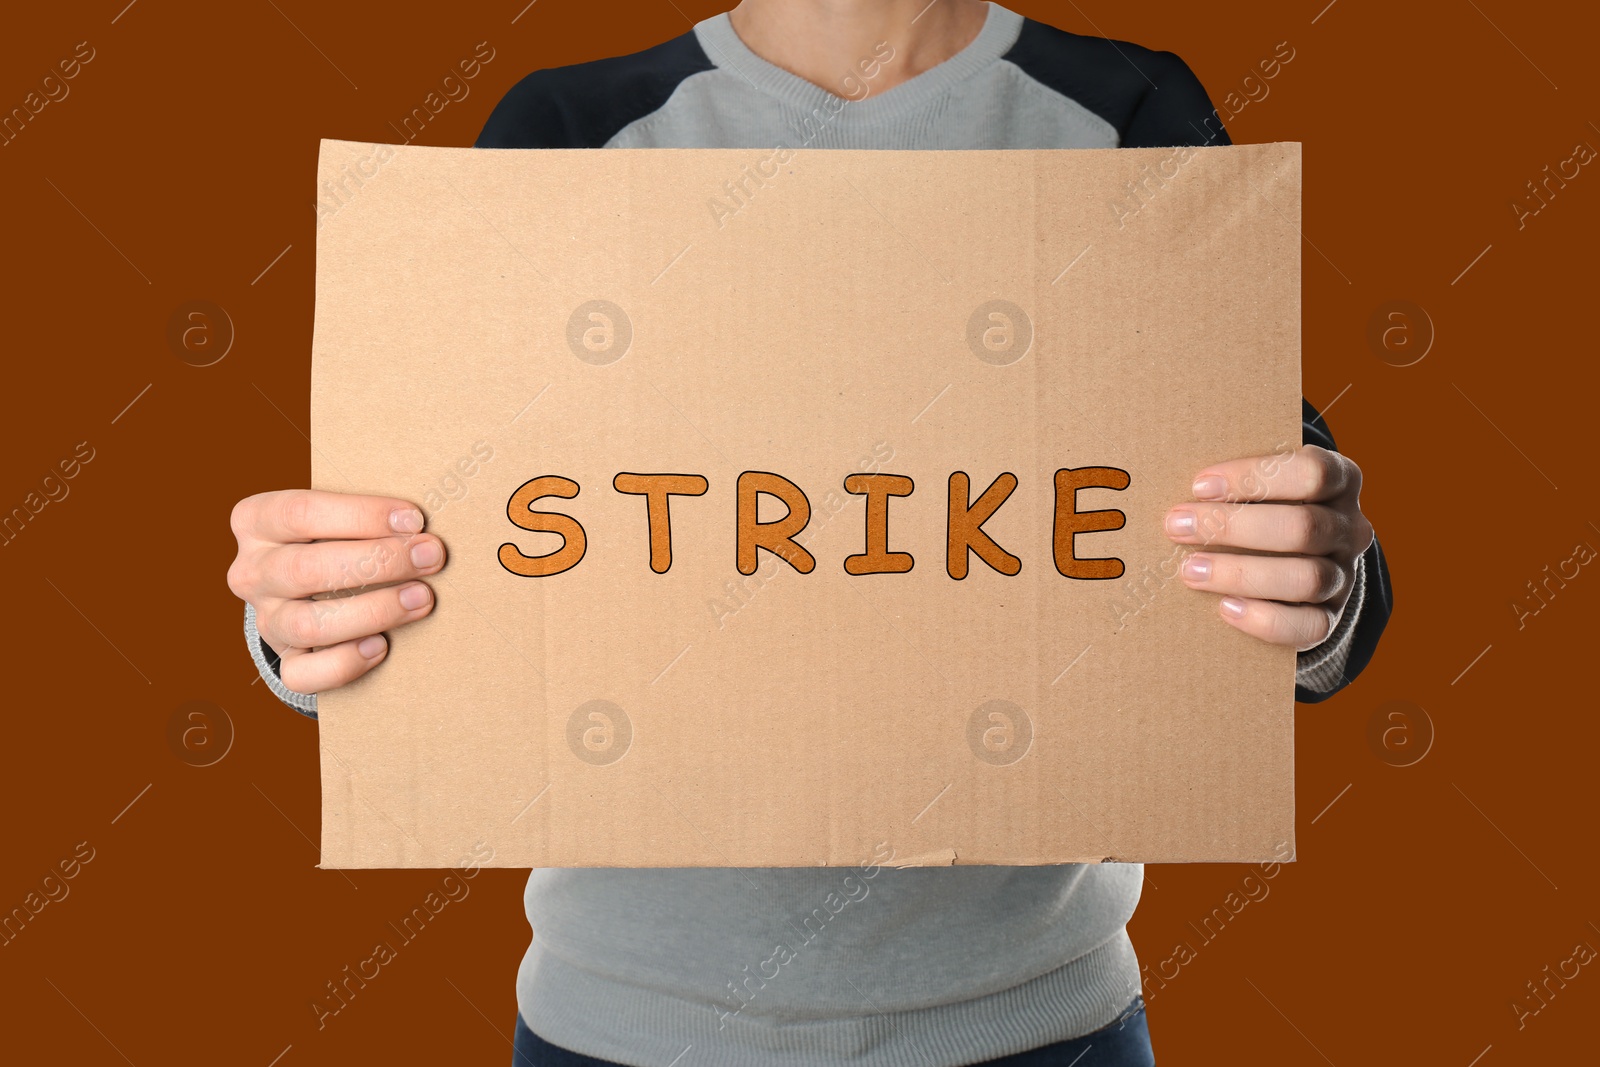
x: 1305, y: 507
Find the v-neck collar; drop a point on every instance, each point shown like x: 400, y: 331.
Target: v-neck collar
x: 728, y: 51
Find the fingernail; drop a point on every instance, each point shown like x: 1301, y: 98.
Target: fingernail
x: 1233, y: 607
x: 1209, y: 487
x: 414, y: 596
x: 1180, y: 523
x: 372, y: 647
x: 1197, y: 568
x: 425, y: 554
x: 405, y: 520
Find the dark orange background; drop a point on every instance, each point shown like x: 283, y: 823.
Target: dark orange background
x: 182, y: 163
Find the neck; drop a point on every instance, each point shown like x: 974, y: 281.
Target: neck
x: 839, y: 44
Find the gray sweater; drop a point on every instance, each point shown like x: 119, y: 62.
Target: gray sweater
x: 867, y: 965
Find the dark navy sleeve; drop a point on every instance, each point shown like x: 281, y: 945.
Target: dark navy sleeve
x: 1152, y: 98
x: 586, y: 104
x: 1174, y: 110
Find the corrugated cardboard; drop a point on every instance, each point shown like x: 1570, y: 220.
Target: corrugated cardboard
x: 488, y: 318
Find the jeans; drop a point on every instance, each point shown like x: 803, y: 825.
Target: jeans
x: 1123, y: 1043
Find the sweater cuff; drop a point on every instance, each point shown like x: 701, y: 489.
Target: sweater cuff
x: 1321, y: 668
x: 266, y: 661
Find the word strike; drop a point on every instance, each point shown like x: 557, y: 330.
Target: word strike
x: 964, y: 530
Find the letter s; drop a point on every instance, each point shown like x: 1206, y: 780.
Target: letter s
x: 519, y: 509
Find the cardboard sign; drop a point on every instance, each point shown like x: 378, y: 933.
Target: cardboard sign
x: 798, y: 506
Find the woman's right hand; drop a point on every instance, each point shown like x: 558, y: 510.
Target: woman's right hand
x: 298, y: 542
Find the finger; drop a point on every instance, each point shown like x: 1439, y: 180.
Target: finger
x: 329, y: 668
x: 1300, y: 625
x: 317, y: 623
x: 1295, y: 579
x: 1304, y: 529
x: 294, y: 571
x: 295, y: 515
x: 1310, y: 473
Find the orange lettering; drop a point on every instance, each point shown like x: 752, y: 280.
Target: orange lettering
x: 965, y: 529
x: 1070, y: 521
x: 877, y: 559
x: 776, y: 537
x: 657, y: 489
x: 519, y: 509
